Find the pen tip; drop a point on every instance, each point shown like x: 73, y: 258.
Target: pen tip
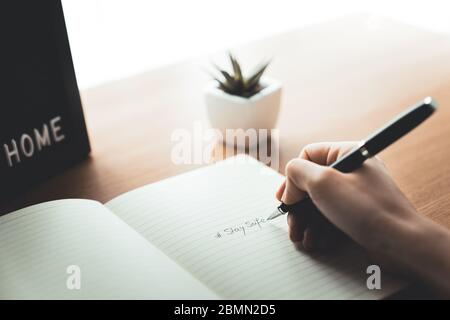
x: 273, y: 215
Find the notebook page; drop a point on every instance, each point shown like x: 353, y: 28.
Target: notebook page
x: 212, y: 222
x: 38, y: 243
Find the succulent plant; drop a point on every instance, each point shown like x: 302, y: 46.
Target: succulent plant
x: 236, y: 83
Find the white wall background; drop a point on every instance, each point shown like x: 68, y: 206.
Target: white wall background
x: 112, y: 39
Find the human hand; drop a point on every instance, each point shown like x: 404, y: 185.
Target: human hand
x: 366, y: 206
x: 361, y: 204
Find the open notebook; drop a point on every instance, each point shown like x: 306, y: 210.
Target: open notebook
x: 198, y: 235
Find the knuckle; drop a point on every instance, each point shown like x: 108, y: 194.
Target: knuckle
x: 295, y: 235
x: 377, y: 163
x: 306, y: 148
x: 310, y: 146
x: 291, y: 167
x: 292, y: 235
x: 378, y: 159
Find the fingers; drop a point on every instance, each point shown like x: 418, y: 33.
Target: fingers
x: 325, y: 153
x: 306, y: 226
x: 300, y: 229
x: 301, y: 176
x: 297, y: 226
x: 280, y: 191
x: 310, y: 231
x: 292, y: 193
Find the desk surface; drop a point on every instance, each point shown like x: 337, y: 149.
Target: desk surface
x: 341, y: 80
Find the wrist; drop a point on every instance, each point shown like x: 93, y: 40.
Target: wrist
x: 395, y: 235
x: 398, y: 239
x: 420, y: 250
x: 431, y: 255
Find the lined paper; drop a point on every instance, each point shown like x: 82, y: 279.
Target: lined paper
x: 38, y: 243
x: 211, y: 222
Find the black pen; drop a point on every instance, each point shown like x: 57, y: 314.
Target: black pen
x: 378, y: 141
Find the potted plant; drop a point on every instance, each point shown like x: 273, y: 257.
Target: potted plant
x: 235, y: 101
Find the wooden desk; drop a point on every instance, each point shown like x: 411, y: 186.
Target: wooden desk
x: 342, y: 79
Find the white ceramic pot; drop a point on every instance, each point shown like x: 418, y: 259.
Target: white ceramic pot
x: 260, y: 111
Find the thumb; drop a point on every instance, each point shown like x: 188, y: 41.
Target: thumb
x: 301, y: 175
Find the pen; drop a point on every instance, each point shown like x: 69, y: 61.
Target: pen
x: 378, y: 141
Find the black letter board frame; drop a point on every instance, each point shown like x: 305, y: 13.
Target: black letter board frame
x: 38, y: 92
